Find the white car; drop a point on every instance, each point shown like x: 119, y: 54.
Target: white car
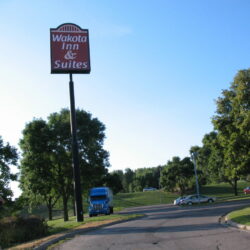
x: 194, y: 199
x: 178, y: 200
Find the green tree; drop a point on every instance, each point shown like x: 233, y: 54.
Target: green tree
x: 232, y: 122
x: 177, y: 175
x: 128, y: 180
x: 8, y: 157
x: 37, y: 178
x: 146, y: 177
x: 114, y: 181
x: 211, y: 158
x: 55, y: 155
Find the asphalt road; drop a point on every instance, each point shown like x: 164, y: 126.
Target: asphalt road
x: 168, y: 227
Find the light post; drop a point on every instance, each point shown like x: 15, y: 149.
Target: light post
x: 160, y: 186
x: 194, y: 157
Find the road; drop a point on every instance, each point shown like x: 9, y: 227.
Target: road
x: 170, y: 228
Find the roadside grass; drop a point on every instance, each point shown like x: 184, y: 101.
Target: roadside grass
x: 241, y: 216
x: 59, y: 225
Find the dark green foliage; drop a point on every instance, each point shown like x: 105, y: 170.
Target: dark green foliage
x: 37, y: 178
x: 146, y: 177
x: 114, y: 181
x: 211, y: 159
x: 16, y: 229
x: 8, y: 156
x: 232, y: 122
x: 133, y: 181
x: 178, y: 175
x: 46, y: 166
x: 128, y: 180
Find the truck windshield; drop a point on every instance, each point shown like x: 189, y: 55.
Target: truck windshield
x: 98, y: 197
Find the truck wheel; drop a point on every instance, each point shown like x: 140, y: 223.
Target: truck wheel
x: 90, y: 215
x: 111, y: 210
x: 108, y: 211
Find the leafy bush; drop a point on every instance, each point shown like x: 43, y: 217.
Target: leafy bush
x: 16, y: 229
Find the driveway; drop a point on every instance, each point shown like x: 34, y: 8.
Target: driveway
x: 168, y: 227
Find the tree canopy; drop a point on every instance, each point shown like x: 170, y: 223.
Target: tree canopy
x: 232, y: 122
x: 8, y: 157
x: 177, y: 175
x: 46, y: 166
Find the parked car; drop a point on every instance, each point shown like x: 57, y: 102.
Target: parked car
x: 246, y: 190
x: 193, y: 199
x: 149, y: 189
x: 178, y: 200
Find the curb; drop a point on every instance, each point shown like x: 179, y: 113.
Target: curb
x: 225, y: 220
x: 45, y: 245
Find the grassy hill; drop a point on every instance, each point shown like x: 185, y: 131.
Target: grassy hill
x: 123, y: 200
x: 223, y: 191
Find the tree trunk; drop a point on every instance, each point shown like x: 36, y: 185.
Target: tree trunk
x: 65, y: 208
x: 49, y: 206
x: 235, y: 187
x: 73, y: 206
x: 182, y: 190
x: 50, y: 213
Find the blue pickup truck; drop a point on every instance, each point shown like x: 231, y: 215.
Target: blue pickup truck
x: 100, y: 201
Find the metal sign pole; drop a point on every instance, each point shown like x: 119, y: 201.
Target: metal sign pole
x: 76, y: 169
x: 69, y: 54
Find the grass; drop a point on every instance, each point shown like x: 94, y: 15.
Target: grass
x: 59, y: 225
x: 241, y: 216
x: 124, y: 200
x: 222, y: 191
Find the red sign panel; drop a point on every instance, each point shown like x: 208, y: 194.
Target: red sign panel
x: 69, y: 46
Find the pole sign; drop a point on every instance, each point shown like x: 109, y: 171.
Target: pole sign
x: 69, y: 46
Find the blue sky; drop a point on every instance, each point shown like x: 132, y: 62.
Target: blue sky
x: 157, y: 69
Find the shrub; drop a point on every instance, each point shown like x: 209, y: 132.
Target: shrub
x: 16, y: 229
